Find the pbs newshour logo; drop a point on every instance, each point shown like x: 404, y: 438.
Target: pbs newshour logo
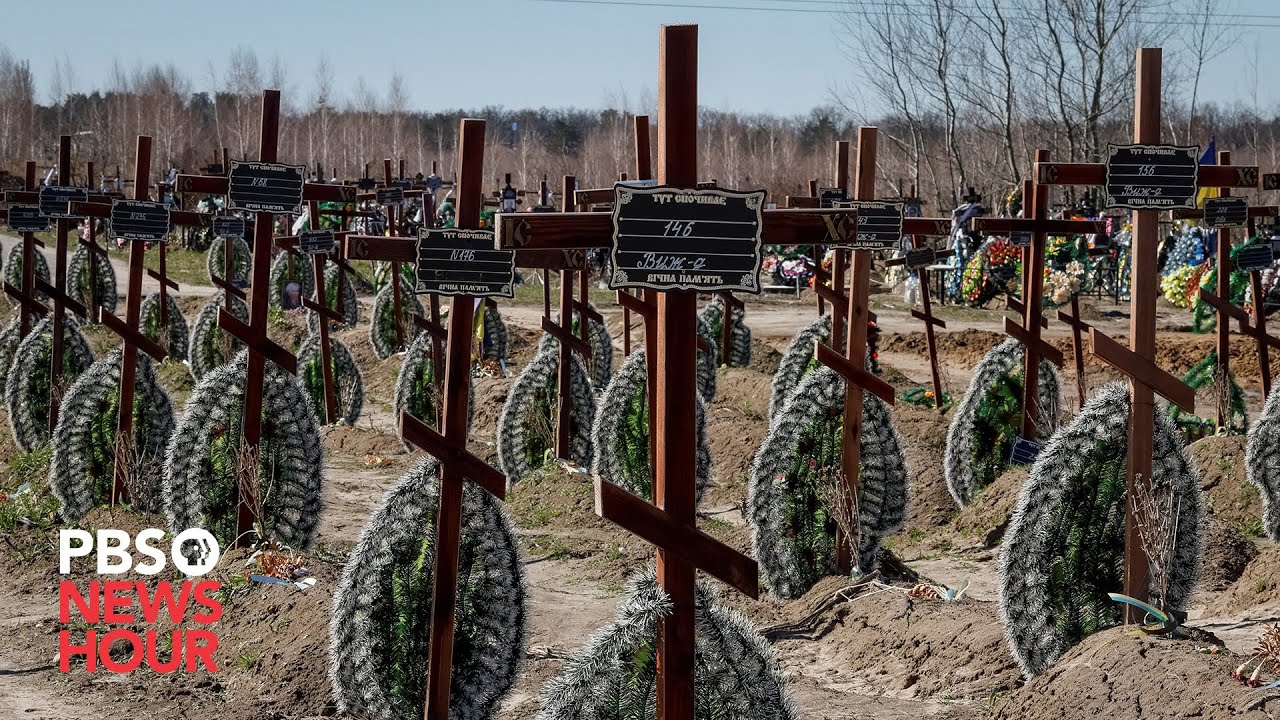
x: 185, y: 608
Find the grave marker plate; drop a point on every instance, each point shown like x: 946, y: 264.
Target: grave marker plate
x: 27, y: 218
x: 1151, y: 177
x: 1024, y: 452
x: 920, y: 258
x: 1255, y: 257
x: 390, y: 196
x: 879, y: 224
x: 366, y: 184
x: 405, y: 184
x: 1226, y: 212
x: 266, y: 187
x: 464, y: 262
x: 667, y: 238
x: 139, y: 221
x: 1020, y: 238
x: 54, y: 199
x: 317, y: 242
x: 228, y: 227
x: 828, y: 197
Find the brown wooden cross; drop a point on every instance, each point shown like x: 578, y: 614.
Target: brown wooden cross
x: 1138, y: 361
x: 213, y: 183
x: 920, y: 229
x: 1220, y: 297
x: 26, y: 296
x: 324, y: 313
x: 827, y: 286
x: 671, y: 524
x: 1037, y: 226
x: 128, y: 329
x: 450, y: 446
x: 254, y: 334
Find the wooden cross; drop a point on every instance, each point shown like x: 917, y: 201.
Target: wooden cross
x: 825, y: 285
x: 450, y: 446
x: 128, y: 329
x: 1220, y: 297
x: 920, y: 229
x: 28, y: 302
x: 254, y: 334
x: 671, y: 524
x: 1145, y: 377
x: 214, y: 182
x: 324, y: 313
x: 1035, y: 226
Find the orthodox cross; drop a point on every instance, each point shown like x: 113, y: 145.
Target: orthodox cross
x: 1137, y: 361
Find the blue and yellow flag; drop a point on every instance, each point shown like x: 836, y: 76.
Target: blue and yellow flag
x: 1209, y: 157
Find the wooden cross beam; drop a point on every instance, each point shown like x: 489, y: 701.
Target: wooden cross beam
x: 254, y: 334
x: 57, y: 292
x: 450, y: 447
x: 161, y: 276
x: 825, y: 285
x: 671, y: 525
x: 1137, y: 361
x: 563, y: 333
x: 1078, y: 328
x: 1035, y: 226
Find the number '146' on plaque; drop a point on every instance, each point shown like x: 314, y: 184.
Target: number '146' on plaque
x: 667, y: 238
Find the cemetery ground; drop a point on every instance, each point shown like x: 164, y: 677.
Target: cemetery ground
x: 848, y: 651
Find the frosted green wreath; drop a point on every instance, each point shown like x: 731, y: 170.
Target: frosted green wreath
x: 381, y: 626
x: 601, y: 365
x: 615, y: 676
x: 495, y: 336
x: 620, y: 437
x: 415, y: 387
x: 1064, y: 550
x: 241, y: 259
x: 13, y: 271
x: 149, y: 322
x: 997, y: 366
x: 288, y: 268
x: 797, y: 361
x: 27, y: 390
x: 82, y: 470
x: 532, y: 399
x: 9, y: 339
x: 348, y: 383
x: 211, y: 346
x: 78, y: 281
x: 382, y: 325
x: 740, y: 337
x: 350, y: 306
x: 793, y: 531
x: 200, y: 472
x: 708, y: 362
x: 1262, y: 463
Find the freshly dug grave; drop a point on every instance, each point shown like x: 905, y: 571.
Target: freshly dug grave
x: 986, y: 518
x: 736, y: 426
x: 1227, y: 554
x: 764, y: 358
x: 879, y: 642
x: 1229, y: 494
x: 1114, y: 675
x: 924, y: 438
x: 1259, y: 584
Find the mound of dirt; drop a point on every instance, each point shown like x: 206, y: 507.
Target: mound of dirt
x: 1115, y: 675
x: 987, y: 517
x: 962, y: 347
x: 360, y: 443
x: 764, y: 358
x: 1227, y: 553
x: 736, y: 426
x: 491, y: 395
x: 880, y: 642
x: 379, y: 375
x: 1229, y: 494
x: 1259, y: 584
x: 924, y: 438
x: 522, y: 343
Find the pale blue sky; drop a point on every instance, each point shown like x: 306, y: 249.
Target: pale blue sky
x: 513, y: 53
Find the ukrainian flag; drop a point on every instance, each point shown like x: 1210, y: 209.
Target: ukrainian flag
x: 1210, y: 157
